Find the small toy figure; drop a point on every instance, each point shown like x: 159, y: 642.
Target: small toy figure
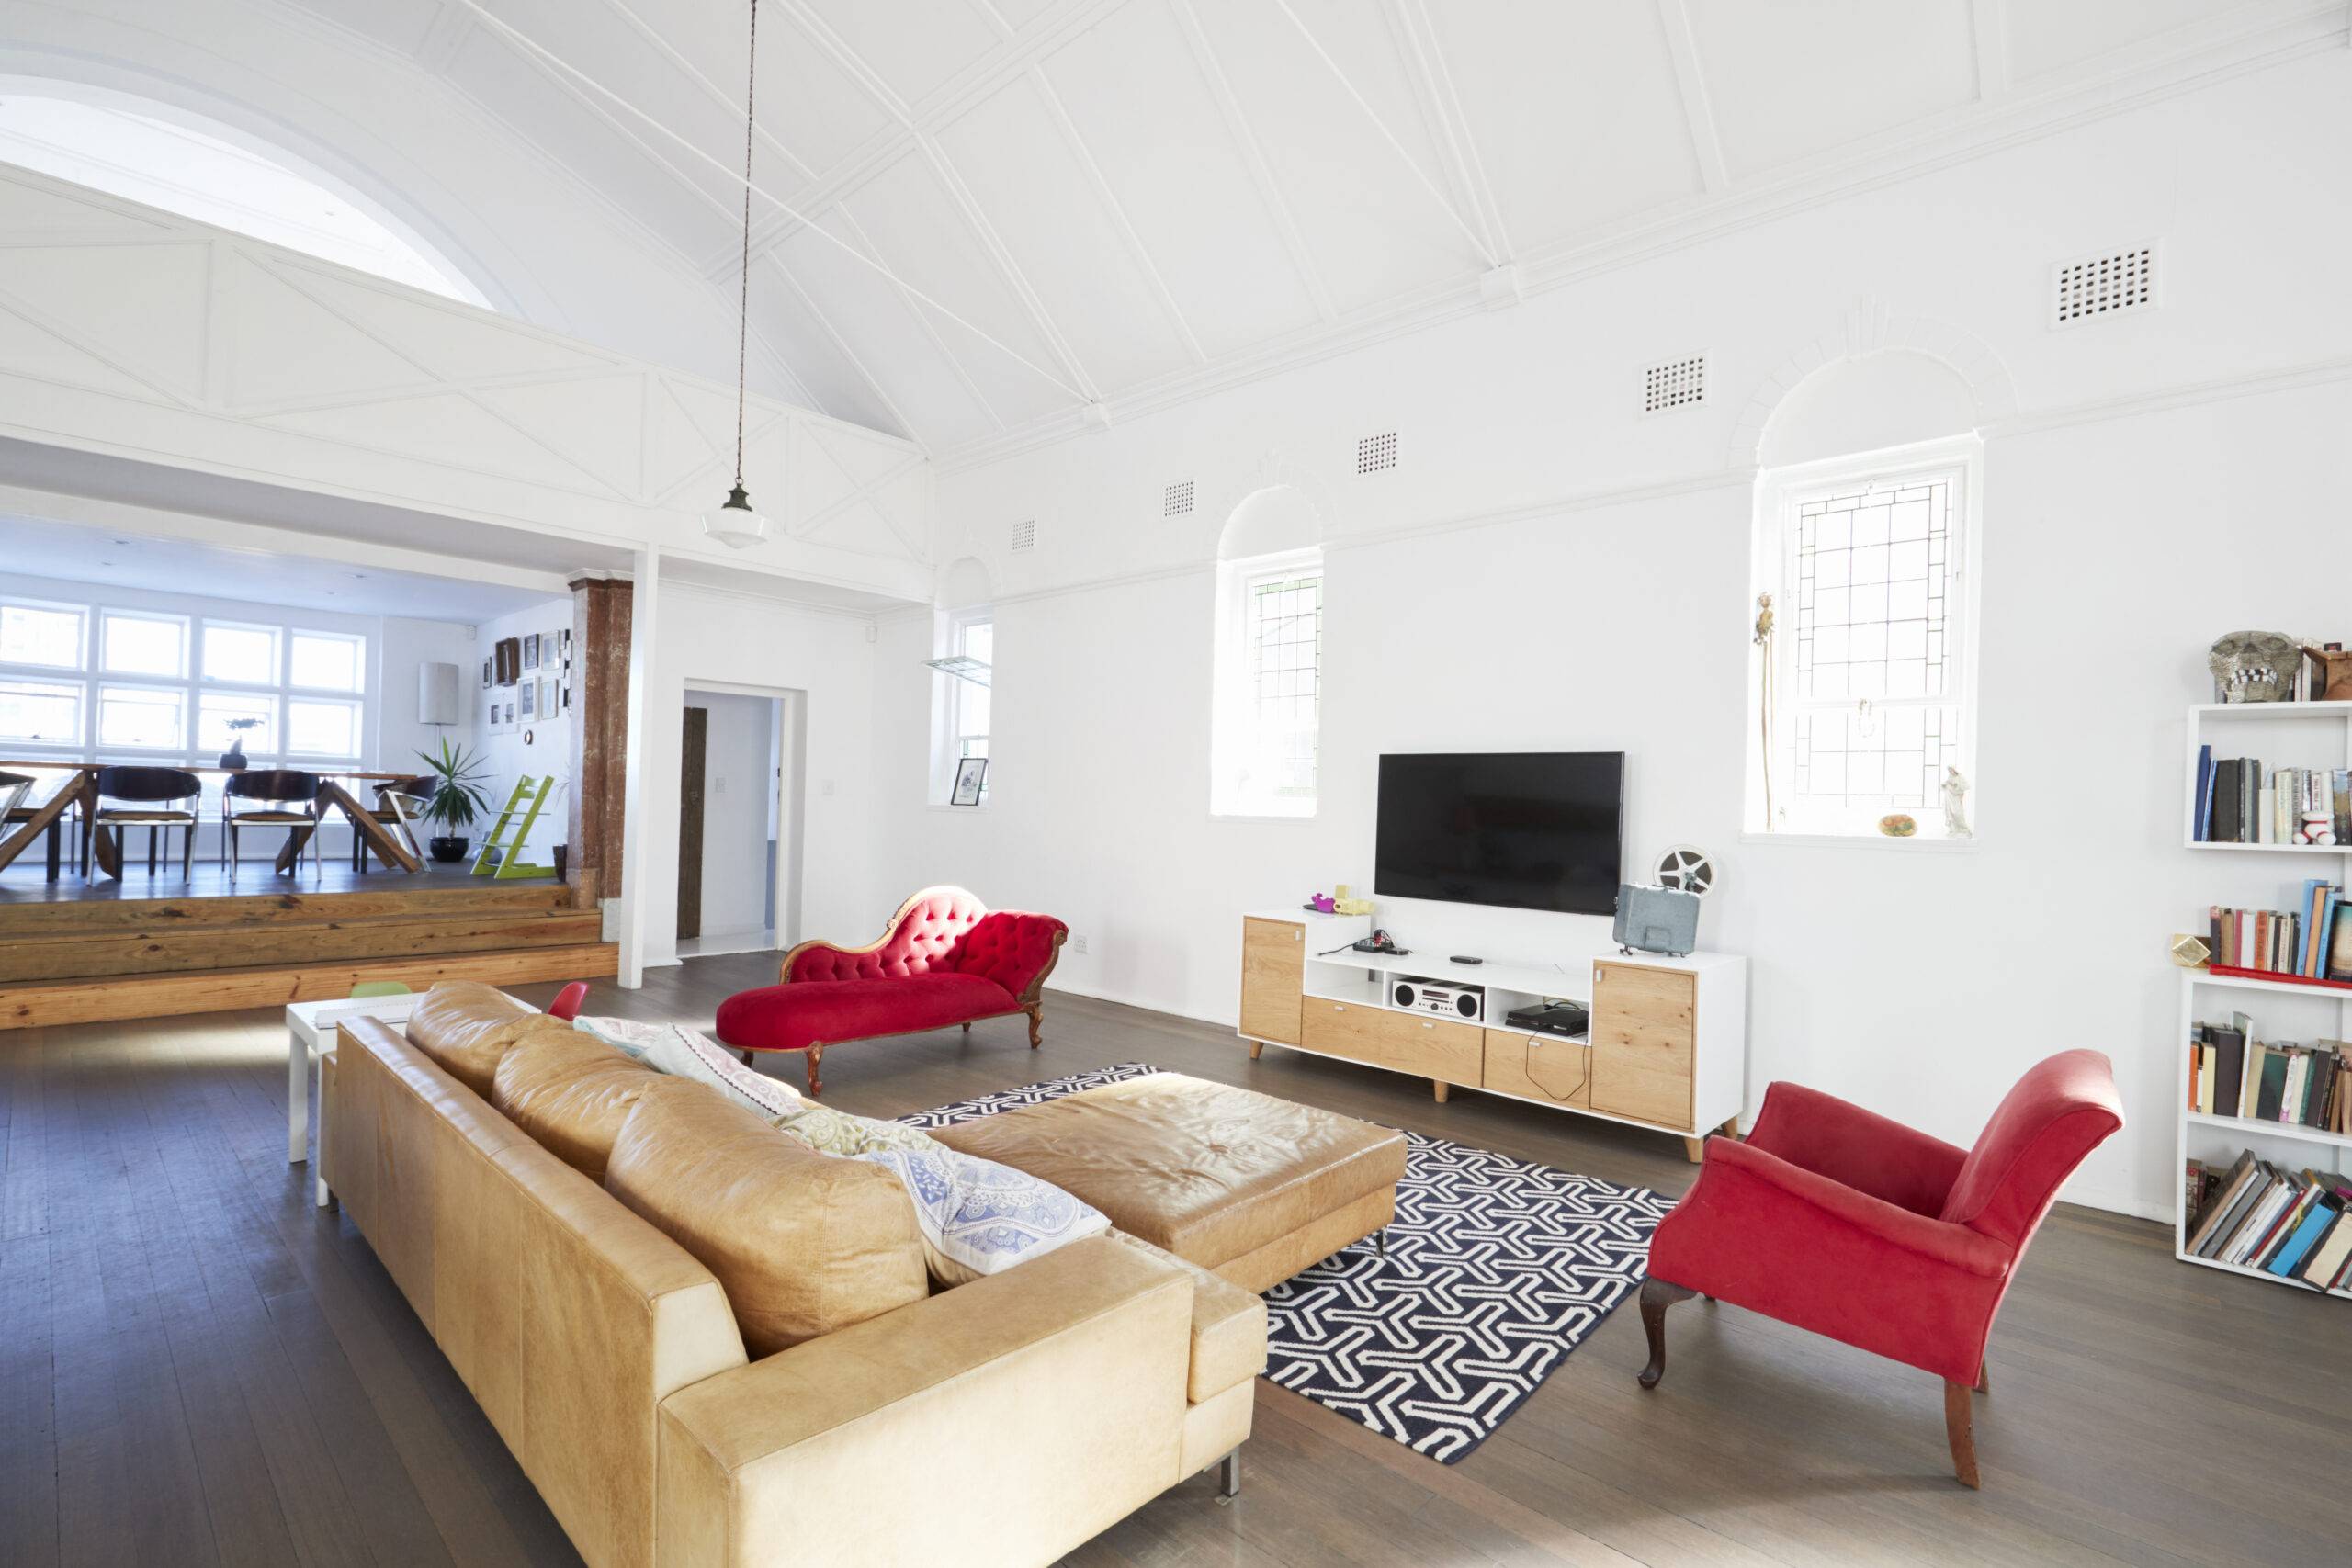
x: 1956, y: 804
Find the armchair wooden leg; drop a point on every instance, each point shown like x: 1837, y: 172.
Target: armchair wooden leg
x: 1960, y: 1429
x: 816, y: 1055
x: 1037, y: 1011
x: 968, y: 1029
x: 1657, y: 1296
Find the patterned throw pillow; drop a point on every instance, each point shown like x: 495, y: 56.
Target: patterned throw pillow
x: 832, y: 1132
x: 978, y: 1217
x: 685, y: 1052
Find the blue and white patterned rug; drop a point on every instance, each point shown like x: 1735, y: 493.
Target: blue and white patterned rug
x: 1496, y: 1269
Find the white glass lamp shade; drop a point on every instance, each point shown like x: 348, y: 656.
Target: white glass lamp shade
x: 437, y: 694
x: 734, y: 523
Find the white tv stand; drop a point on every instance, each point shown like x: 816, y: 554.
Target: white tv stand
x: 1667, y: 1046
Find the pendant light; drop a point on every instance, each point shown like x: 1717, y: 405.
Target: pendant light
x: 734, y: 523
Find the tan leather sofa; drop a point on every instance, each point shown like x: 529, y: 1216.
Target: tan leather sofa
x: 1005, y: 1421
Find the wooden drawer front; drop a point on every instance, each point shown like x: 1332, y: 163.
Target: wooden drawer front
x: 1643, y: 1038
x: 1427, y: 1047
x: 1540, y: 1067
x: 1274, y: 960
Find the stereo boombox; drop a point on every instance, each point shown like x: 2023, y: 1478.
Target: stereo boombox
x: 1441, y: 997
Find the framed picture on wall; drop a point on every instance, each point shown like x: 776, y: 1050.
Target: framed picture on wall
x: 549, y: 701
x: 528, y: 695
x: 485, y: 674
x: 969, y: 774
x: 531, y: 652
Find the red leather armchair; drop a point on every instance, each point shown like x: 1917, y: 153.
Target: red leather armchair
x: 944, y: 958
x: 1837, y: 1220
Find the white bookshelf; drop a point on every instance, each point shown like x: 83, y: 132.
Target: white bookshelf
x: 2326, y: 743
x: 2212, y: 1137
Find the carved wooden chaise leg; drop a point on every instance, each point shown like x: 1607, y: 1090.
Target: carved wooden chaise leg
x: 968, y: 1029
x: 816, y: 1055
x: 1984, y: 1375
x: 1960, y: 1429
x: 1037, y: 1011
x: 1657, y: 1296
x: 746, y: 1055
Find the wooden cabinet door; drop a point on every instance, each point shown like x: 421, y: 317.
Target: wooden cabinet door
x: 1644, y: 1040
x: 1274, y: 966
x: 1540, y: 1067
x: 1434, y: 1048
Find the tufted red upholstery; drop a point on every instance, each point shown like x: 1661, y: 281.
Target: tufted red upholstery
x: 1007, y: 948
x: 946, y: 959
x: 925, y: 936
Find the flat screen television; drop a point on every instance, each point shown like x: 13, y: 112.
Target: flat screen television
x: 1517, y: 829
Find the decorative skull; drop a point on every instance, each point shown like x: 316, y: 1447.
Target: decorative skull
x: 2252, y: 667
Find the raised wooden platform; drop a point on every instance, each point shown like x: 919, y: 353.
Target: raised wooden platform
x: 125, y: 958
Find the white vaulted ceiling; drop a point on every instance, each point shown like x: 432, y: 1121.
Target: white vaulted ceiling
x: 1125, y: 202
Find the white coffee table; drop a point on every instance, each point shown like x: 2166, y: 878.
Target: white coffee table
x: 310, y: 1031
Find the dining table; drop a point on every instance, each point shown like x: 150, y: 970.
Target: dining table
x: 82, y: 786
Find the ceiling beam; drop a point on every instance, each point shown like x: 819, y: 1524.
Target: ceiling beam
x: 1060, y: 114
x: 1990, y: 21
x: 1683, y: 48
x: 1441, y: 106
x: 1453, y: 214
x: 1253, y: 155
x: 712, y: 90
x: 975, y: 222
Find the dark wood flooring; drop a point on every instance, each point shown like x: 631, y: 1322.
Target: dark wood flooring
x: 197, y: 1367
x: 26, y: 879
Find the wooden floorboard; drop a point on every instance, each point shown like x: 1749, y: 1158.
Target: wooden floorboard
x: 200, y: 1367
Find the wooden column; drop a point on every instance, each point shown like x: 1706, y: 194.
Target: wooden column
x: 601, y: 612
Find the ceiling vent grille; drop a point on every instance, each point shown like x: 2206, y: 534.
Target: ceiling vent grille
x: 1177, y: 499
x: 1376, y: 453
x: 1024, y: 536
x: 2091, y: 288
x: 1676, y: 384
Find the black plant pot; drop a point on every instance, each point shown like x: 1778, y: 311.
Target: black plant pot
x: 233, y: 758
x: 449, y: 848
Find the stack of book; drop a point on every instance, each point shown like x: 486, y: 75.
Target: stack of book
x: 2233, y: 1074
x: 2313, y: 940
x: 2240, y: 802
x: 2255, y: 1215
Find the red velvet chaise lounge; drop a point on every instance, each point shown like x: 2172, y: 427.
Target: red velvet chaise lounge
x: 1837, y: 1220
x: 944, y: 958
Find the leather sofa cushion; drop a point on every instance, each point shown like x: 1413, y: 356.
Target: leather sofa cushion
x: 803, y: 1243
x: 571, y: 1092
x: 465, y: 1026
x: 1205, y: 1170
x: 825, y: 1012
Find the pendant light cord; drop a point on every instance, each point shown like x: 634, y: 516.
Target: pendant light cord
x: 743, y: 297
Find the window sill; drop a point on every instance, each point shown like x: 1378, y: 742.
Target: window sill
x: 958, y: 810
x: 1936, y: 846
x: 1294, y: 817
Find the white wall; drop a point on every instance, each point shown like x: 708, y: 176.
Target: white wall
x: 702, y: 638
x: 1548, y: 568
x: 738, y: 810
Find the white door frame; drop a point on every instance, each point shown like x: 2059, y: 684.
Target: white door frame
x: 791, y: 720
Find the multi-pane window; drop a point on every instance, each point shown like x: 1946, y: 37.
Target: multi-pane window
x: 1871, y: 699
x: 109, y: 683
x: 1269, y: 686
x: 969, y: 727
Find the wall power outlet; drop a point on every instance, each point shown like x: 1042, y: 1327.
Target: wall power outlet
x: 1077, y: 943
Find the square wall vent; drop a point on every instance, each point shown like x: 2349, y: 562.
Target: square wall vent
x: 1177, y: 499
x: 1676, y: 384
x: 1374, y: 453
x: 2091, y: 288
x: 1024, y: 535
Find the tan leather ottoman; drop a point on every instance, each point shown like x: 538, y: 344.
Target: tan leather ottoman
x: 1251, y: 1188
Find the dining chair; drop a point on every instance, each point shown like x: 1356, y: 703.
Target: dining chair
x: 398, y: 802
x: 154, y: 799
x: 288, y: 798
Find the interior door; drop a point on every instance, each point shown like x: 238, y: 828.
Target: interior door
x: 694, y: 741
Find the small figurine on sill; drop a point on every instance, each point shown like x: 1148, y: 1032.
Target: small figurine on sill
x: 1956, y: 804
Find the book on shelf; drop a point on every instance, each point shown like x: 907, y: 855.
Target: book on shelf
x: 2231, y: 1073
x: 2311, y: 941
x: 2239, y: 801
x: 2292, y: 1224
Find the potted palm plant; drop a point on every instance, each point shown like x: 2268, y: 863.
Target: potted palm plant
x: 454, y: 800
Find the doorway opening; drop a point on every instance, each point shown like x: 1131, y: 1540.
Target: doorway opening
x: 738, y: 819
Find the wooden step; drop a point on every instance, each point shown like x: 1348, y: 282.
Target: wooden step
x: 228, y: 990
x: 149, y: 951
x: 35, y: 917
